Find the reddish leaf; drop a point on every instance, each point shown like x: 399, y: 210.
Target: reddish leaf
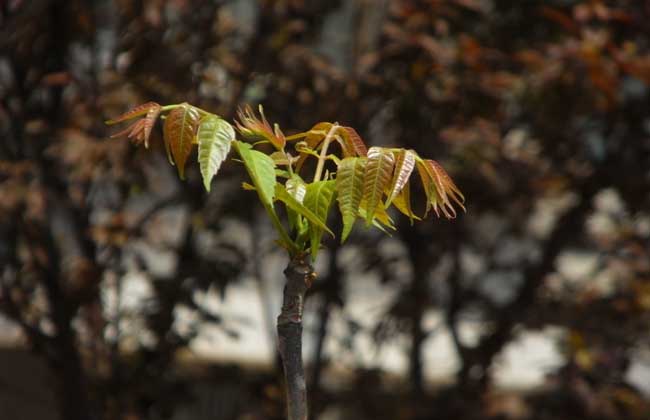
x: 253, y: 128
x: 313, y: 139
x: 139, y: 131
x: 440, y: 188
x: 138, y: 111
x: 179, y: 130
x: 353, y: 145
x: 429, y: 188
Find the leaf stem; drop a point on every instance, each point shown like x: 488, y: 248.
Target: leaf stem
x: 169, y: 107
x: 323, y: 152
x: 297, y: 136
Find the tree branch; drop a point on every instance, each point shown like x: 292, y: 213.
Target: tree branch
x: 300, y: 275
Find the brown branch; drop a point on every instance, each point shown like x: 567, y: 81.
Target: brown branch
x: 300, y: 275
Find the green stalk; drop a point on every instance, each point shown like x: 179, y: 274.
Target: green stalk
x: 323, y: 152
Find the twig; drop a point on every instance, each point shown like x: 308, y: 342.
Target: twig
x: 323, y: 152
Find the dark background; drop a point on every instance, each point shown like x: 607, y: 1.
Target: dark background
x: 538, y: 109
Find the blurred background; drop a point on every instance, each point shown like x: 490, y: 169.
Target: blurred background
x: 126, y: 293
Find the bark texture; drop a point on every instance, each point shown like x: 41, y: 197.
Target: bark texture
x: 300, y: 275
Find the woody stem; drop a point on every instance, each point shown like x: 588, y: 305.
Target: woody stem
x: 299, y: 275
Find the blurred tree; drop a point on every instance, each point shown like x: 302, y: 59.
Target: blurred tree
x: 540, y: 108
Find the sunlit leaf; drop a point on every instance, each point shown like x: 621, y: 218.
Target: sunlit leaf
x: 318, y: 199
x: 297, y: 188
x: 179, y: 129
x: 404, y: 165
x: 349, y: 187
x: 379, y: 169
x: 215, y: 137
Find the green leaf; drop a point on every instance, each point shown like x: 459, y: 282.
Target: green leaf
x: 379, y: 169
x: 349, y: 187
x: 261, y: 170
x: 215, y: 137
x: 178, y: 132
x: 318, y: 199
x: 380, y: 215
x: 380, y: 219
x: 404, y: 165
x: 292, y: 203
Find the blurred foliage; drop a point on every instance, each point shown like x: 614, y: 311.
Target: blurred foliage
x: 539, y: 109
